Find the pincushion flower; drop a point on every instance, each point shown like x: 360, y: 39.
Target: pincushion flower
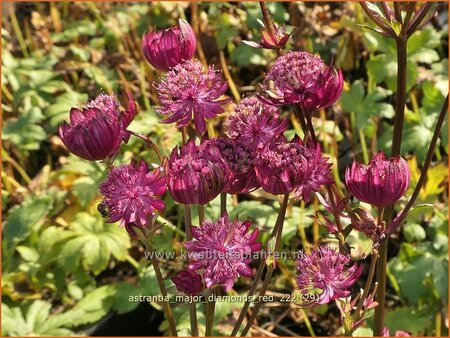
x: 132, y: 194
x: 254, y: 123
x: 196, y: 174
x: 222, y: 250
x: 241, y: 163
x: 283, y: 167
x: 326, y: 272
x: 381, y: 183
x: 170, y: 47
x: 317, y: 173
x: 186, y: 91
x: 189, y: 282
x: 303, y: 78
x: 98, y: 128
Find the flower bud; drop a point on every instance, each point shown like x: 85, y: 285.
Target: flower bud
x: 168, y: 48
x: 98, y: 128
x: 380, y: 183
x: 188, y: 282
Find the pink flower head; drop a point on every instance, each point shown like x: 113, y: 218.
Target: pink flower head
x: 132, y: 193
x: 254, y: 123
x: 326, y: 270
x: 304, y: 79
x: 189, y: 282
x: 317, y: 172
x: 382, y: 182
x: 241, y: 162
x: 276, y: 41
x: 222, y: 250
x: 282, y: 166
x: 170, y: 47
x: 187, y: 91
x: 196, y: 174
x: 98, y: 128
x: 398, y: 333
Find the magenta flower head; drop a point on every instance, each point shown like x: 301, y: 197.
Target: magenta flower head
x: 241, y: 163
x: 382, y: 182
x: 222, y: 250
x: 303, y: 78
x: 189, y: 282
x: 98, y: 128
x: 132, y: 194
x: 170, y: 47
x: 326, y: 271
x: 317, y: 173
x: 276, y: 41
x: 196, y: 174
x: 282, y: 166
x: 254, y: 123
x: 187, y: 91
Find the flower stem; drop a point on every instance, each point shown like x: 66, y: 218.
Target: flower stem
x: 150, y: 143
x: 426, y: 166
x: 278, y: 230
x: 162, y: 288
x: 268, y: 22
x: 223, y: 203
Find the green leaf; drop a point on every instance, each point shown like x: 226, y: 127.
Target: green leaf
x: 414, y: 232
x: 406, y: 319
x: 13, y: 323
x: 23, y: 218
x: 92, y: 244
x: 25, y: 131
x: 37, y: 314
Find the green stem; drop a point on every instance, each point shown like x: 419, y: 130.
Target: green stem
x: 278, y: 230
x: 268, y: 22
x: 150, y: 143
x: 395, y: 151
x: 426, y: 166
x: 223, y: 203
x: 162, y: 288
x: 209, y: 315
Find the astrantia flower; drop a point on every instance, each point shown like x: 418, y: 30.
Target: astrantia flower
x: 186, y: 91
x: 382, y: 182
x: 196, y: 174
x: 241, y: 162
x: 132, y: 194
x: 276, y: 41
x: 98, y: 128
x: 303, y: 78
x: 222, y: 250
x: 188, y: 282
x: 281, y: 166
x: 317, y: 173
x: 168, y: 48
x: 254, y: 123
x: 325, y: 271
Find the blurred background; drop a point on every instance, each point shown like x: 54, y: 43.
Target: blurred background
x: 65, y: 271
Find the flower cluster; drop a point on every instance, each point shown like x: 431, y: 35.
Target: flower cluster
x: 303, y: 78
x: 132, y: 194
x: 222, y: 251
x: 326, y: 271
x: 98, y: 128
x: 187, y: 91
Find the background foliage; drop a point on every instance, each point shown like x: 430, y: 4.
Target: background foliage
x: 65, y: 270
